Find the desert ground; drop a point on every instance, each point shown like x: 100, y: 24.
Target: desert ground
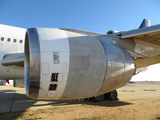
x: 140, y: 109
x: 143, y: 109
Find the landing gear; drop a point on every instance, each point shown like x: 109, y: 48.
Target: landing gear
x: 112, y: 96
x: 98, y: 98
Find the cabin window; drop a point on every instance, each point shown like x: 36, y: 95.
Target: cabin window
x: 20, y: 41
x: 2, y: 38
x: 52, y: 87
x: 8, y: 39
x: 14, y: 40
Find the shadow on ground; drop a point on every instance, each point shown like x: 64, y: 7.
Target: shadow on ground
x: 16, y: 100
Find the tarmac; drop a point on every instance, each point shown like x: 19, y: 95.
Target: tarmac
x: 14, y: 99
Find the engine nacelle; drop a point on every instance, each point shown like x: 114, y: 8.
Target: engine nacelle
x: 63, y: 65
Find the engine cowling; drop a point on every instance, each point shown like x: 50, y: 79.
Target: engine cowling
x: 63, y: 65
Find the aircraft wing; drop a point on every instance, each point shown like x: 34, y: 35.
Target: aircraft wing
x: 146, y: 38
x: 13, y: 59
x: 148, y: 35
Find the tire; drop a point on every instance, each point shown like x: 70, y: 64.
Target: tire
x: 98, y: 98
x: 112, y: 96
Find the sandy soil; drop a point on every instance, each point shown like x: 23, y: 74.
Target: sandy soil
x: 142, y: 109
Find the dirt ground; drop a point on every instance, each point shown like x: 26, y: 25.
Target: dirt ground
x: 142, y: 109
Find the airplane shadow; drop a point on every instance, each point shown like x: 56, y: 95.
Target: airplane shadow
x: 13, y: 105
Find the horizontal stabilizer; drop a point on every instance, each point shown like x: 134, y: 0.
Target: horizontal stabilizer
x: 13, y: 59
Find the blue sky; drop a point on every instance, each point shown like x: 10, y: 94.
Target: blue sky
x: 91, y: 15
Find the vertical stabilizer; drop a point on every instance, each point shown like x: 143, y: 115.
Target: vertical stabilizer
x: 145, y: 23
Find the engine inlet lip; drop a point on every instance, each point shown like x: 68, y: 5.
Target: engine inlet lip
x: 32, y: 63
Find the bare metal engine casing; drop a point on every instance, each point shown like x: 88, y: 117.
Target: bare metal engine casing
x: 63, y: 65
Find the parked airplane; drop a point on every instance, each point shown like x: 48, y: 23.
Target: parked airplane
x: 12, y: 42
x: 65, y: 64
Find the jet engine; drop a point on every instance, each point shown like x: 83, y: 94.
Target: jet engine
x: 65, y: 65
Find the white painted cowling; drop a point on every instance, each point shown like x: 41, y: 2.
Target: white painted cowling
x: 63, y: 65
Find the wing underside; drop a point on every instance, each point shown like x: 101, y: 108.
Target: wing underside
x: 147, y: 40
x: 147, y: 35
x: 13, y: 59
